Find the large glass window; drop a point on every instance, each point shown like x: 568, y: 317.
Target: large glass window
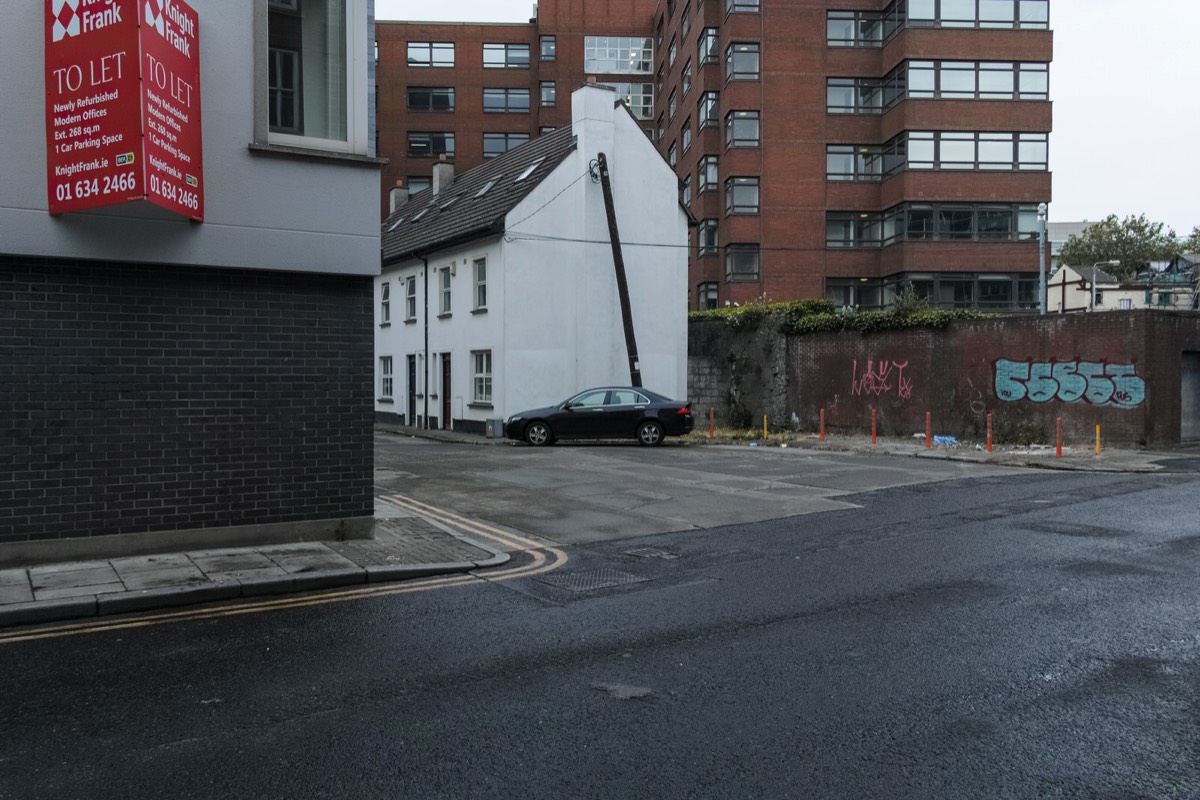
x: 506, y: 100
x: 309, y: 58
x: 706, y: 238
x: 503, y: 55
x: 741, y: 196
x: 495, y: 144
x: 706, y: 47
x: 951, y: 80
x: 741, y: 262
x: 431, y: 98
x: 708, y: 110
x: 422, y: 144
x: 931, y: 222
x: 741, y: 129
x: 873, y: 28
x: 742, y: 61
x: 853, y: 229
x: 618, y: 54
x: 853, y: 162
x: 637, y: 97
x: 990, y: 150
x: 431, y: 54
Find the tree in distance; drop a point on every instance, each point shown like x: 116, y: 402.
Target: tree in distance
x: 1133, y: 241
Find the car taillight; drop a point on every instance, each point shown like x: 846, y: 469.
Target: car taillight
x: 684, y: 410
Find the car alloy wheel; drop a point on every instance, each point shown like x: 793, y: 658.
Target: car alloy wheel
x: 538, y: 434
x: 649, y: 433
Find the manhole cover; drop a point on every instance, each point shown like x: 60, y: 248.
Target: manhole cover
x: 589, y: 579
x: 651, y: 552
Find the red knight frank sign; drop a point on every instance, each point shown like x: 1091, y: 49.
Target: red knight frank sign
x: 123, y: 105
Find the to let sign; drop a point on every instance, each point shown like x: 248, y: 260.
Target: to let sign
x: 123, y: 105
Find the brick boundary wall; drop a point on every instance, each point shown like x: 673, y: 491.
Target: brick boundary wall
x: 143, y: 399
x: 1134, y: 394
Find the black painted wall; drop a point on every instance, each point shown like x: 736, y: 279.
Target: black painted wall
x: 157, y: 398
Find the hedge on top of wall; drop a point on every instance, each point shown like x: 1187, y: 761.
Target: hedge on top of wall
x: 799, y: 317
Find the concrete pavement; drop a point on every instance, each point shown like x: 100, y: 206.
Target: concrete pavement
x: 407, y: 544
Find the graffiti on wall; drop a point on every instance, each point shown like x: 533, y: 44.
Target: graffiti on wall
x: 1097, y: 382
x: 881, y: 377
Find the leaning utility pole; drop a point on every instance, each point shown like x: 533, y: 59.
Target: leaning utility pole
x: 635, y: 370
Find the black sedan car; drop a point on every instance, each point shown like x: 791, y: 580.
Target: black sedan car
x: 608, y: 412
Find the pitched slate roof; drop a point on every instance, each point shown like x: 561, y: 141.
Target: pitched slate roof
x: 1095, y: 275
x: 457, y: 214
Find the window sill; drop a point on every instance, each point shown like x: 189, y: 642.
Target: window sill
x: 287, y: 151
x: 387, y: 400
x: 412, y: 321
x: 445, y: 316
x: 385, y: 324
x: 480, y: 405
x: 482, y: 310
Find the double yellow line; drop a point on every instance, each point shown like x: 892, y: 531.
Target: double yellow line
x: 543, y: 558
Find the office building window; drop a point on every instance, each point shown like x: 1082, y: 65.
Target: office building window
x: 687, y: 134
x: 672, y: 154
x: 418, y: 184
x: 422, y: 144
x: 672, y: 52
x: 741, y: 129
x: 637, y: 97
x: 618, y: 55
x: 708, y: 110
x: 706, y: 47
x: 481, y: 376
x: 685, y: 191
x: 672, y: 105
x: 385, y: 378
x: 741, y: 196
x: 741, y: 262
x: 385, y: 303
x: 707, y: 178
x: 853, y: 229
x: 707, y: 296
x: 549, y: 93
x: 548, y: 48
x: 480, y: 276
x: 431, y: 54
x: 511, y: 101
x: 500, y: 55
x: 686, y: 77
x: 706, y: 237
x: 742, y: 61
x: 431, y: 98
x: 410, y: 299
x: 741, y: 5
x: 495, y: 144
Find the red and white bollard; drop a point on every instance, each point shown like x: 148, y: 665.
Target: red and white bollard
x: 989, y: 432
x: 822, y: 424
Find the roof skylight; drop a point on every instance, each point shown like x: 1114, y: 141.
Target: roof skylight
x: 529, y: 170
x: 487, y: 186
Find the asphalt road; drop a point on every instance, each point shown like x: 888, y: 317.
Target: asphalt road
x: 962, y: 634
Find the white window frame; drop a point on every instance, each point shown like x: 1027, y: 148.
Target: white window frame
x: 410, y: 298
x: 445, y: 306
x: 357, y: 54
x: 385, y: 303
x: 479, y: 274
x: 481, y: 376
x: 386, y: 378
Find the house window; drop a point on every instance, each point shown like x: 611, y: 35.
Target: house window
x: 706, y: 238
x: 687, y: 134
x: 741, y: 129
x: 741, y: 196
x: 410, y: 298
x: 480, y: 277
x: 431, y: 54
x: 444, y: 307
x: 616, y: 55
x: 481, y: 376
x: 708, y: 110
x: 422, y: 144
x: 315, y: 78
x: 499, y: 101
x: 741, y: 262
x: 505, y: 56
x: 742, y: 62
x: 706, y: 47
x: 385, y: 378
x: 1124, y: 304
x: 706, y: 174
x: 707, y: 296
x: 385, y: 303
x: 495, y: 144
x: 549, y: 93
x: 549, y: 48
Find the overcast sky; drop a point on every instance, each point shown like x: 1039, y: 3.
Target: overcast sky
x: 1126, y: 89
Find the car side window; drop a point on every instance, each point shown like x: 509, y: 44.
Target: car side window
x: 590, y: 400
x: 627, y: 399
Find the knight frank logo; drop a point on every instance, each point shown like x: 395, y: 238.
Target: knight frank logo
x: 75, y: 17
x: 66, y: 19
x: 154, y: 16
x: 172, y: 22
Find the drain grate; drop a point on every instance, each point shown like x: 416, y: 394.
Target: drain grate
x: 589, y: 579
x: 651, y: 552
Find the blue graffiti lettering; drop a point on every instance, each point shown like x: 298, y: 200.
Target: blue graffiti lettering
x: 1094, y: 382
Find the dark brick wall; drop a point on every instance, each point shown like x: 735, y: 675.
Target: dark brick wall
x: 162, y: 398
x: 951, y: 373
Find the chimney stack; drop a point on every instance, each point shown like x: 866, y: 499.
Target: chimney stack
x: 396, y: 196
x: 443, y: 175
